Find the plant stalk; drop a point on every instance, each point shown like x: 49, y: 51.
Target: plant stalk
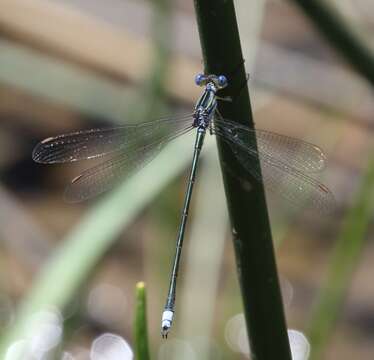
x: 140, y: 327
x: 253, y: 244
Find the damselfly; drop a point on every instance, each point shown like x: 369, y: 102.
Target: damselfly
x: 285, y: 161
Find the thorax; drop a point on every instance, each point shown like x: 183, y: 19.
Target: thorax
x: 205, y: 107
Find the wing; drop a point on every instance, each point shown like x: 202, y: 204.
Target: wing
x: 298, y: 154
x: 107, y: 174
x: 88, y: 144
x: 280, y: 175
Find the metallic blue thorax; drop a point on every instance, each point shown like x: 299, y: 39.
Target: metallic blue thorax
x: 205, y: 107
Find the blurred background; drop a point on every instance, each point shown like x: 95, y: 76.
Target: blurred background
x: 68, y: 271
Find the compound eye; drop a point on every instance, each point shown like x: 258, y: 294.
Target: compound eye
x: 200, y: 79
x: 222, y: 81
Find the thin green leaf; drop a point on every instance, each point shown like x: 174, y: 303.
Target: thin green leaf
x: 140, y: 327
x: 345, y: 258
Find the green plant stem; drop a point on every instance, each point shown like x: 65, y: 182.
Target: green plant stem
x: 141, y: 333
x: 246, y: 202
x: 345, y: 258
x: 341, y: 35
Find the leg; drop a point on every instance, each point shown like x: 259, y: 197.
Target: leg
x: 235, y: 95
x: 243, y: 84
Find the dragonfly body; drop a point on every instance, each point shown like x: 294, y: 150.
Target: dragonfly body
x: 203, y: 114
x: 285, y: 162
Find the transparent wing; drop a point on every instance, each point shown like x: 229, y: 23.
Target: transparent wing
x: 88, y: 144
x: 299, y: 154
x: 107, y: 174
x: 279, y: 175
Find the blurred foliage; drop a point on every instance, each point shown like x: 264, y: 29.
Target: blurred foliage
x: 341, y: 35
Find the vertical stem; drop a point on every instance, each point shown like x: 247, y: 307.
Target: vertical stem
x: 248, y: 214
x: 140, y: 327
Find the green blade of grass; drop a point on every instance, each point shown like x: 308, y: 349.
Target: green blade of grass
x: 344, y: 261
x: 246, y: 201
x: 140, y: 327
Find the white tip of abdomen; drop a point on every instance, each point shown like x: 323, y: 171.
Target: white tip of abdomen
x: 167, y: 320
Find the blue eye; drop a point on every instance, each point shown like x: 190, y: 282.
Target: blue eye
x: 200, y: 79
x: 222, y: 81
